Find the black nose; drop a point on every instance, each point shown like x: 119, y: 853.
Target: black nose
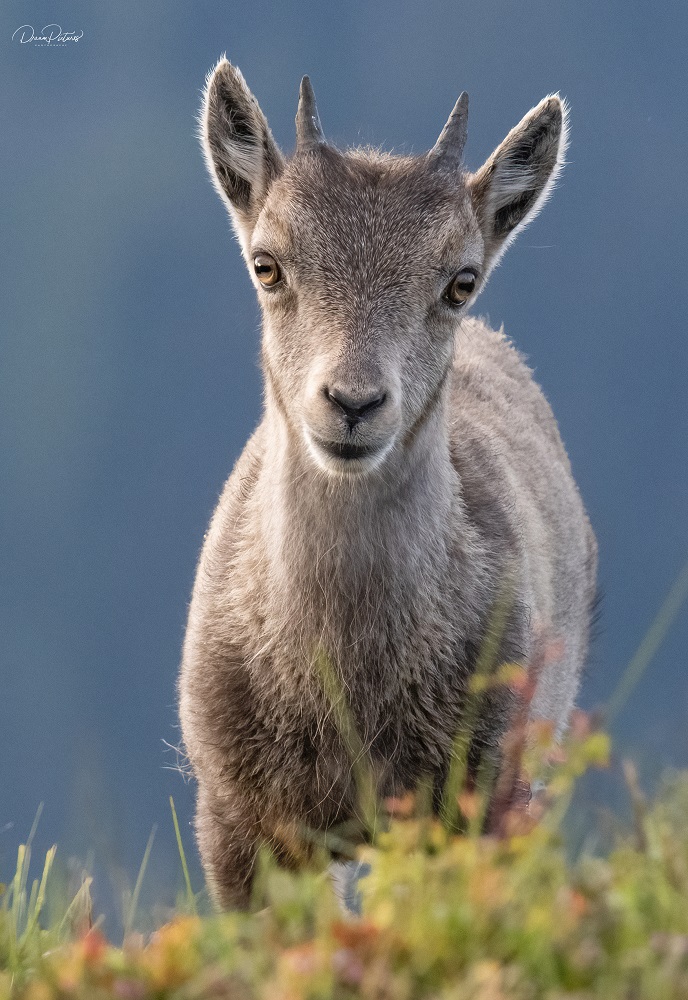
x: 354, y: 407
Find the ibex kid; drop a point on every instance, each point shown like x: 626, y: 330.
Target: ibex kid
x: 405, y: 462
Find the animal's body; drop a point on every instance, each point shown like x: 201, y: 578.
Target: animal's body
x: 406, y: 463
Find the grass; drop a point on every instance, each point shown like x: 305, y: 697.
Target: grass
x: 446, y: 915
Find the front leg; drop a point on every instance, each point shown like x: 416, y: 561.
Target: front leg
x: 228, y: 840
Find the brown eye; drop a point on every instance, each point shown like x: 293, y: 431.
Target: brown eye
x: 461, y: 287
x: 267, y: 269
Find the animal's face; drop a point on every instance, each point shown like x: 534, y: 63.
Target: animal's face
x: 365, y: 263
x: 368, y: 263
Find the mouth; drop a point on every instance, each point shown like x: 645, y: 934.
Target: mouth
x: 345, y: 451
x: 345, y: 457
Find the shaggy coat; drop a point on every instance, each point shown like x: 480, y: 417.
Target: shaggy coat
x: 405, y: 467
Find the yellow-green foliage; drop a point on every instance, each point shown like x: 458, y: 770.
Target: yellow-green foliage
x: 465, y: 917
x: 446, y: 915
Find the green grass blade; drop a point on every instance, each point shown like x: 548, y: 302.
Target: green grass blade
x: 15, y: 908
x: 32, y: 903
x: 180, y: 847
x: 133, y: 905
x: 19, y: 884
x: 38, y: 899
x: 361, y: 764
x: 485, y: 666
x: 77, y: 914
x: 651, y: 642
x: 34, y: 825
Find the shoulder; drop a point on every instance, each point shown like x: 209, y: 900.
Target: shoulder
x: 496, y: 402
x: 479, y: 348
x: 241, y: 482
x: 221, y: 536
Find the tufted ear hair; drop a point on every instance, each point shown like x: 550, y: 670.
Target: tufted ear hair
x: 241, y: 155
x: 509, y: 190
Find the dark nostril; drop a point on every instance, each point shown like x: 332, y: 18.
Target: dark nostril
x: 373, y: 404
x: 355, y: 408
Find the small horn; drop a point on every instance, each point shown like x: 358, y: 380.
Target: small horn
x: 448, y: 149
x: 309, y: 133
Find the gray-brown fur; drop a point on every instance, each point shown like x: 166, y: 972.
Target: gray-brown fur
x: 391, y: 563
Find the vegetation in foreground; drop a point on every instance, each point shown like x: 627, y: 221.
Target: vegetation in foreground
x: 448, y: 913
x: 444, y: 915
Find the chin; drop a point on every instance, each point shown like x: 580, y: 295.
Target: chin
x: 344, y: 459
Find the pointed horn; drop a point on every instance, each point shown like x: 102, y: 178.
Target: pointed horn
x: 448, y: 150
x: 309, y: 133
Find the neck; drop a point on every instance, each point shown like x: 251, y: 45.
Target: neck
x: 368, y: 570
x: 341, y: 532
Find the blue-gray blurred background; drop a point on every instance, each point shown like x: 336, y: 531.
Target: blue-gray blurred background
x: 129, y: 344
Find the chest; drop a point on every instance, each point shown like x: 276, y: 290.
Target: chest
x: 395, y: 652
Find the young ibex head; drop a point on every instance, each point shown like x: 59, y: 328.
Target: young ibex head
x: 364, y: 263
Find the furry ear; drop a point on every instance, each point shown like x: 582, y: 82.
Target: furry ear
x: 242, y: 157
x: 509, y: 190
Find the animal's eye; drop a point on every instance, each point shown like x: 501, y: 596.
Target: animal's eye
x: 267, y: 269
x: 461, y: 287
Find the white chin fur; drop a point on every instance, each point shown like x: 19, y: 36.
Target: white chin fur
x: 344, y: 467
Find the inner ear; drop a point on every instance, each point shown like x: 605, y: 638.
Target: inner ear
x: 511, y: 187
x: 513, y: 212
x: 233, y: 137
x: 241, y: 154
